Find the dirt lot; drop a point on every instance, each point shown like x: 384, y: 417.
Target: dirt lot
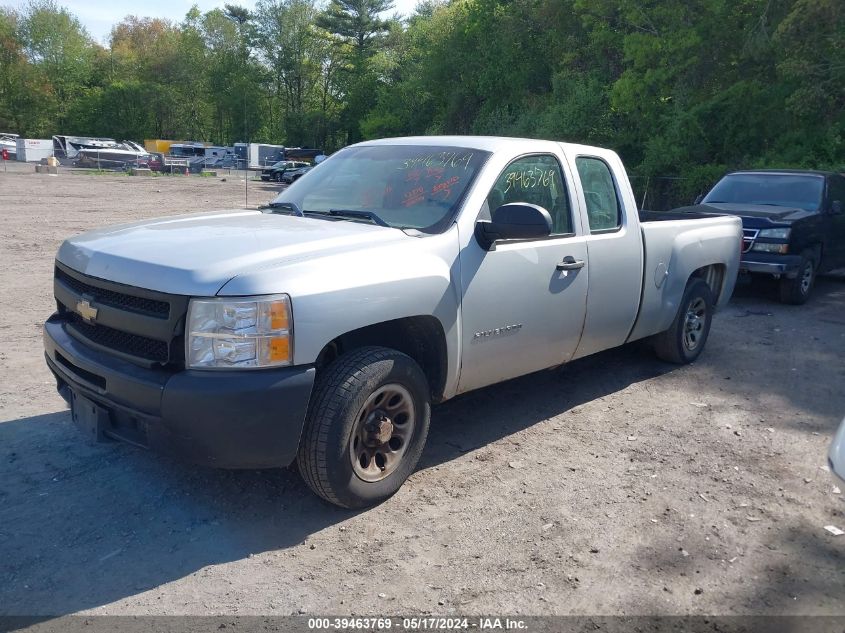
x: 617, y: 485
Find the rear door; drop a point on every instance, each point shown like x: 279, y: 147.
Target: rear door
x: 520, y: 312
x: 615, y: 249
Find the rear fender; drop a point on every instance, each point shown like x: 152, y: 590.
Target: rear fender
x: 675, y: 251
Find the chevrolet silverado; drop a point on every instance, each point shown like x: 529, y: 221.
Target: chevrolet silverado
x: 397, y: 274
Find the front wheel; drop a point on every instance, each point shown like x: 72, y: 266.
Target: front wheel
x: 684, y: 341
x: 366, y: 427
x: 797, y: 291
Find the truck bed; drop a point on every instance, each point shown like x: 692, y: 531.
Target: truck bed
x: 674, y: 245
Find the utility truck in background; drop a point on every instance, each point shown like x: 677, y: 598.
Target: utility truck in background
x: 396, y: 274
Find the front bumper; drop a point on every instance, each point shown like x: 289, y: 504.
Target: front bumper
x: 224, y: 419
x: 770, y: 264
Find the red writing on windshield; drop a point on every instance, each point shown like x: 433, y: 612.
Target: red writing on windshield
x: 445, y: 187
x: 415, y: 196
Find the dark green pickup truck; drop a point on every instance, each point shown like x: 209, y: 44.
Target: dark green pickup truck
x: 793, y: 224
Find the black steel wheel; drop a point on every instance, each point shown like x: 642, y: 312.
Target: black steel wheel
x: 366, y: 427
x: 796, y: 291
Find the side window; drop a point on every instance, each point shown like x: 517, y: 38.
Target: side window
x: 535, y: 180
x: 603, y: 209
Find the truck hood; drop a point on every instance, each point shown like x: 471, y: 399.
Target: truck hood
x: 197, y: 254
x: 761, y: 211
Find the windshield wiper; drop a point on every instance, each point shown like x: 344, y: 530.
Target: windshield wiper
x: 292, y: 206
x: 359, y: 213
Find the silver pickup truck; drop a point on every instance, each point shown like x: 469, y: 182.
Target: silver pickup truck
x: 397, y: 274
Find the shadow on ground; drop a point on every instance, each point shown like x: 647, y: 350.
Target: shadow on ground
x: 132, y: 521
x: 135, y: 520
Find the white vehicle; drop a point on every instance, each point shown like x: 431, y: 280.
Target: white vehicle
x: 87, y: 151
x: 117, y: 156
x: 396, y: 274
x: 9, y: 142
x: 837, y: 453
x: 258, y: 155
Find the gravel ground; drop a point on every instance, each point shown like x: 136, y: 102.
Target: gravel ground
x: 616, y: 485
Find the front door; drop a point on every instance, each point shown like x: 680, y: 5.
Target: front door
x: 835, y: 244
x: 521, y: 311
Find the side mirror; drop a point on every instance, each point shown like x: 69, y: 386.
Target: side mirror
x: 699, y: 198
x: 836, y: 207
x: 514, y: 221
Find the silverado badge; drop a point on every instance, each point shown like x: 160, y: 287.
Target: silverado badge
x: 86, y: 311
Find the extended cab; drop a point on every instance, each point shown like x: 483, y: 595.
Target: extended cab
x: 396, y: 274
x: 793, y: 224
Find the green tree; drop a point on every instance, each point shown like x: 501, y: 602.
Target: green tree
x: 24, y: 92
x: 293, y: 51
x: 234, y: 78
x: 811, y: 45
x: 58, y: 45
x: 361, y: 33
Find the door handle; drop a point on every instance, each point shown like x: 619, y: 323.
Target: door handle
x: 570, y: 263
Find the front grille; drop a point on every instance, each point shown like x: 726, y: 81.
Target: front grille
x: 139, y: 305
x: 123, y: 342
x: 141, y: 326
x: 748, y: 237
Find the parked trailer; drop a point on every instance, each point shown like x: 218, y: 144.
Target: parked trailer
x: 31, y: 150
x: 158, y: 145
x: 258, y: 155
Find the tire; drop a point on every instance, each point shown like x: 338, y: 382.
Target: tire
x: 685, y: 339
x: 354, y: 417
x: 278, y: 176
x: 797, y: 291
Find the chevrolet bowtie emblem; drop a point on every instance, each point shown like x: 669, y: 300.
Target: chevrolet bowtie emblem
x: 86, y: 311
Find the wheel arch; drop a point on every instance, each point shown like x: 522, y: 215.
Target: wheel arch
x: 421, y: 337
x: 714, y: 276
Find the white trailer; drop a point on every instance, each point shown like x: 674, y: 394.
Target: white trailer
x: 258, y: 155
x: 31, y: 150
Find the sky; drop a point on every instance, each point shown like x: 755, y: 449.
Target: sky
x: 98, y: 16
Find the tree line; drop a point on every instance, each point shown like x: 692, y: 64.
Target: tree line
x: 681, y: 88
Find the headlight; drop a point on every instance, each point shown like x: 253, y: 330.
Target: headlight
x: 778, y: 234
x: 239, y: 332
x: 770, y: 248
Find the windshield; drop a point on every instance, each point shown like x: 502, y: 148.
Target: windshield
x: 782, y: 190
x: 406, y: 186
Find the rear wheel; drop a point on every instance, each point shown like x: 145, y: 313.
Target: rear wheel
x: 366, y: 427
x: 797, y: 291
x: 684, y: 341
